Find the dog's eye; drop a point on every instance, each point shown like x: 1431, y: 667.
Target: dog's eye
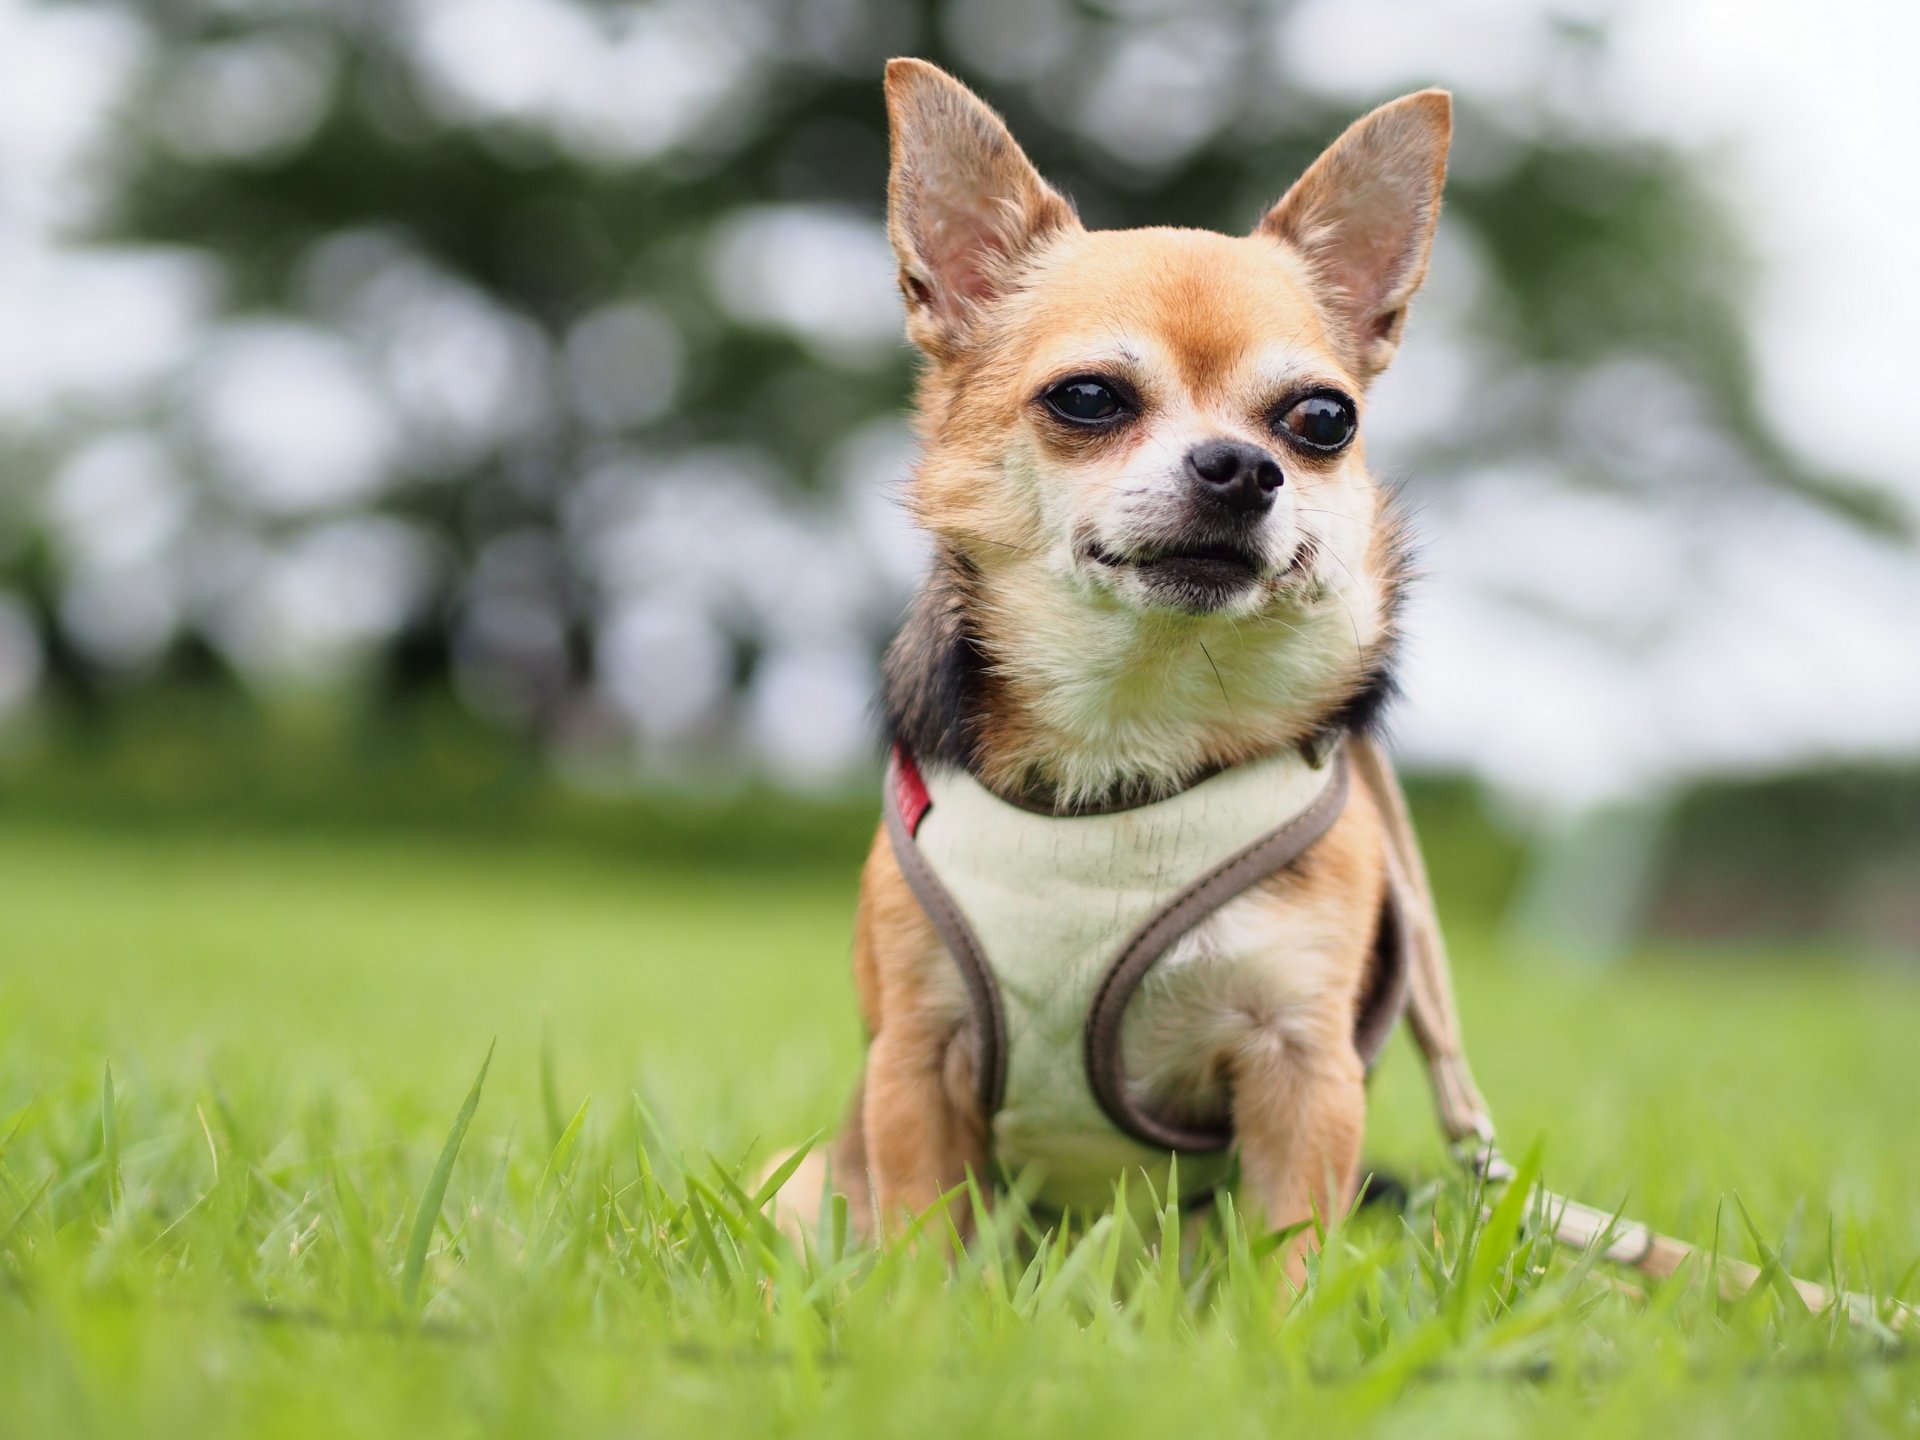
x: 1321, y: 422
x: 1086, y: 402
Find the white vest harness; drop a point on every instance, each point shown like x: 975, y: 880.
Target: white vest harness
x: 1055, y: 922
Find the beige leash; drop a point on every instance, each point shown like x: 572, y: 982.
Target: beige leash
x: 1463, y: 1114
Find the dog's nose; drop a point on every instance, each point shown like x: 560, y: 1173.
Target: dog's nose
x: 1232, y: 473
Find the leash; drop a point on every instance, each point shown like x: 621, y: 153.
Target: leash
x: 1468, y: 1125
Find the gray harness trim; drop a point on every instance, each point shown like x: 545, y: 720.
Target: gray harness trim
x: 989, y: 1019
x: 1380, y: 1006
x: 1272, y: 852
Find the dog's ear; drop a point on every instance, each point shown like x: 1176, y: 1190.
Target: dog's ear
x: 1363, y: 215
x: 963, y: 203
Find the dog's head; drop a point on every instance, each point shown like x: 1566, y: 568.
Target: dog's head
x: 1169, y: 417
x: 1156, y: 431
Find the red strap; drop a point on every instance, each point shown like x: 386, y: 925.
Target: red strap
x: 909, y: 791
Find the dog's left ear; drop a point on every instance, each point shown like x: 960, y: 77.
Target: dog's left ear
x: 964, y: 204
x: 1363, y: 215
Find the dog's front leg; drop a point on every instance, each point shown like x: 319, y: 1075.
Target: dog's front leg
x: 922, y: 1138
x: 1299, y: 1114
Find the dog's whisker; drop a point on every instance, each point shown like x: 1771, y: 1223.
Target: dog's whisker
x: 1216, y: 677
x: 1006, y: 545
x: 1359, y: 646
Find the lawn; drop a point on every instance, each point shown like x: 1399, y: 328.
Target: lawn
x: 230, y: 1059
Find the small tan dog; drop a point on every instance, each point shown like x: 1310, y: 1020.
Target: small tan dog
x: 1125, y: 902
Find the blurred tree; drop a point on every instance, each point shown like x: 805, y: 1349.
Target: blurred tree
x: 552, y: 348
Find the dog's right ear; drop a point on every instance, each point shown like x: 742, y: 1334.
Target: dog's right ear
x: 963, y: 203
x: 1363, y: 216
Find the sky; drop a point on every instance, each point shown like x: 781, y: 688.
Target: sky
x: 1810, y: 117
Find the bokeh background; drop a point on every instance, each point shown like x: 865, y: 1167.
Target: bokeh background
x: 487, y: 413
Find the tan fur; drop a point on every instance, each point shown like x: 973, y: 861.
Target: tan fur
x: 1089, y: 688
x: 924, y: 1128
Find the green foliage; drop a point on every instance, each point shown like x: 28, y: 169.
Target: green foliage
x: 199, y: 759
x: 1828, y: 852
x: 203, y: 759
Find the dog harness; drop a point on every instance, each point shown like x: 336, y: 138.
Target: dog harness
x: 1058, y: 926
x: 1032, y: 907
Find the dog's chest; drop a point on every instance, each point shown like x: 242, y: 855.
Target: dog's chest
x: 1060, y: 910
x: 1258, y: 969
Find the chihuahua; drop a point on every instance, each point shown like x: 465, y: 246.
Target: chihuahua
x: 1124, y: 908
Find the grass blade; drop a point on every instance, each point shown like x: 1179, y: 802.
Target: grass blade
x: 1773, y: 1267
x: 1905, y: 1283
x: 560, y: 1162
x: 110, y: 1140
x: 436, y: 1191
x: 1109, y: 1268
x: 783, y: 1172
x: 549, y: 1087
x: 1077, y: 1276
x: 20, y: 1218
x: 13, y: 1130
x: 1496, y: 1240
x: 236, y: 1136
x: 703, y: 1230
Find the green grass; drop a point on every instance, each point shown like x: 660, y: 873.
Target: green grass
x: 240, y: 1195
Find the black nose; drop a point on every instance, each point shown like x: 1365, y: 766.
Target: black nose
x: 1232, y: 473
